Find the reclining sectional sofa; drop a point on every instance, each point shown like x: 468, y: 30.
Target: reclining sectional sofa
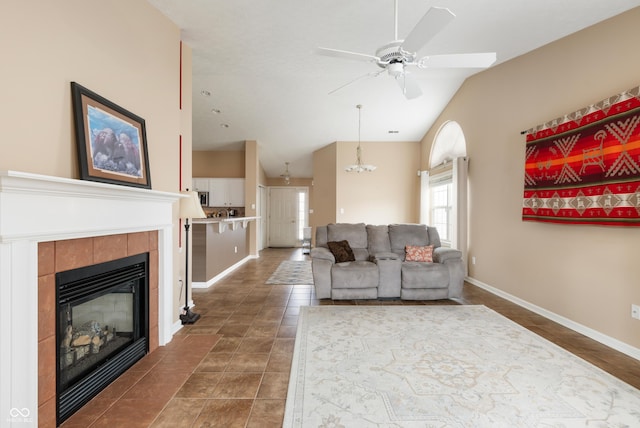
x: 407, y: 261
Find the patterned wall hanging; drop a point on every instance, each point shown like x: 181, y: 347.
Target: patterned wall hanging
x: 584, y: 168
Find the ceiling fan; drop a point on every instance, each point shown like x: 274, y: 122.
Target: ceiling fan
x: 398, y: 54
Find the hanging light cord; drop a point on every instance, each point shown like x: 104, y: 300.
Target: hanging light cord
x: 359, y: 167
x: 359, y: 106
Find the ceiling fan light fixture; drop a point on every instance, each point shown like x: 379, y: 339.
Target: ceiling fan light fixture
x: 359, y: 166
x: 395, y: 69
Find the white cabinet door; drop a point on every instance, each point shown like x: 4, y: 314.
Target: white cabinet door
x: 217, y: 192
x: 235, y: 187
x: 226, y: 192
x: 200, y: 184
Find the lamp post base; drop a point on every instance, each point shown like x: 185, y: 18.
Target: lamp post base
x: 189, y: 317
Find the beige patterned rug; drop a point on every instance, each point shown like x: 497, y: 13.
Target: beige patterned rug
x: 443, y: 366
x: 292, y: 272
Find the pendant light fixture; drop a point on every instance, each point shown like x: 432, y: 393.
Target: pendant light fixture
x: 359, y: 166
x: 286, y: 176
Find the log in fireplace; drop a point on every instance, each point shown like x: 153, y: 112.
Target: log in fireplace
x: 102, y: 327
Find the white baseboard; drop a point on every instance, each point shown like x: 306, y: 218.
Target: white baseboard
x: 609, y: 341
x: 177, y: 326
x: 222, y: 274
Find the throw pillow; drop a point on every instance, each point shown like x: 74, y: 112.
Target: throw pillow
x: 414, y: 253
x: 341, y: 250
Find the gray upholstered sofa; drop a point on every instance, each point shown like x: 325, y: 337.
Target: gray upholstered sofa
x: 379, y: 268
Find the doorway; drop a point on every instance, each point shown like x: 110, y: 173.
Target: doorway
x: 288, y: 207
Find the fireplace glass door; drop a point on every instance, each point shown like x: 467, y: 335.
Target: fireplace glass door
x: 101, y: 325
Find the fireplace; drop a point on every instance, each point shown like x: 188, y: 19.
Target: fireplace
x: 85, y: 223
x: 101, y: 327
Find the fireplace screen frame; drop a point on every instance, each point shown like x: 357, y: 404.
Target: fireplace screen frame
x: 103, y: 278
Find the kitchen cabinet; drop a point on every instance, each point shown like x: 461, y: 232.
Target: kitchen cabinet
x: 226, y: 192
x: 201, y: 184
x: 236, y: 192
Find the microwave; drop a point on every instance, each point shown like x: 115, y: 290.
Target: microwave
x: 204, y: 198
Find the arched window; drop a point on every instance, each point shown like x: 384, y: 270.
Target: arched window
x: 448, y: 145
x: 444, y: 187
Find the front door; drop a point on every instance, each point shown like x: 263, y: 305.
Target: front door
x: 283, y: 216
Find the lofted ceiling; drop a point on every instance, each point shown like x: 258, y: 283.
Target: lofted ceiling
x: 256, y: 59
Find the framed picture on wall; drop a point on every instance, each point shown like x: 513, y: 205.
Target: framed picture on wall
x: 111, y: 141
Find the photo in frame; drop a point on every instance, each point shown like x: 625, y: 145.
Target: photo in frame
x: 111, y: 141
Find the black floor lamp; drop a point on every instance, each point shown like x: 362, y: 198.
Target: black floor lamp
x: 189, y: 208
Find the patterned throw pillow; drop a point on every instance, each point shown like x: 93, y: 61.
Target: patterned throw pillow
x: 342, y: 251
x: 414, y: 253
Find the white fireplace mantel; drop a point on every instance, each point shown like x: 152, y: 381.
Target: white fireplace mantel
x: 36, y: 208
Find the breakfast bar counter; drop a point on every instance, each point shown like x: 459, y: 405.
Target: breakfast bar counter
x: 219, y: 244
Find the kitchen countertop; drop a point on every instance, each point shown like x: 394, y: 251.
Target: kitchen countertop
x: 222, y: 224
x: 223, y: 219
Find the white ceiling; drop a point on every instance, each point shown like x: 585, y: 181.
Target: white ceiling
x: 257, y: 59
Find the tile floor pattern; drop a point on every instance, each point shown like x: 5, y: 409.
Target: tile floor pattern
x: 231, y: 368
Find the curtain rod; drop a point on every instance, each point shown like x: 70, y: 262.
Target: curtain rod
x: 578, y: 114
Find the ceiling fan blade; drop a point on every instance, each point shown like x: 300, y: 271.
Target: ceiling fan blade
x: 431, y: 24
x: 346, y: 54
x: 472, y: 60
x: 409, y: 85
x: 370, y: 74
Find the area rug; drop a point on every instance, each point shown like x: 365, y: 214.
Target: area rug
x: 442, y: 366
x: 292, y: 272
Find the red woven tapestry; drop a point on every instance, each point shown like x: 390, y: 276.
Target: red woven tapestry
x: 585, y: 167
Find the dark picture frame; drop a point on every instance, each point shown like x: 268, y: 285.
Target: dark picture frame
x: 111, y: 141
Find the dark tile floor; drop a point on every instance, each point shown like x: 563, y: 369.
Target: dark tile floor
x: 231, y: 368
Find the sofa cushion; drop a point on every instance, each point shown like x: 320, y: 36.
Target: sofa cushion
x: 415, y: 253
x: 358, y: 274
x: 341, y: 251
x: 401, y: 235
x: 434, y: 237
x: 378, y: 239
x: 321, y: 236
x: 424, y: 275
x: 360, y: 254
x: 355, y: 233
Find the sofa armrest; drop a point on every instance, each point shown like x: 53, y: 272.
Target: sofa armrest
x: 323, y: 254
x: 389, y: 274
x: 322, y: 261
x: 442, y: 254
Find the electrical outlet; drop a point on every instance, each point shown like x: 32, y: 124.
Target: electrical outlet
x: 635, y: 311
x: 473, y: 260
x: 235, y: 249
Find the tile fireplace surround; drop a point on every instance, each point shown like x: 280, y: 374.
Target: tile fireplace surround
x: 37, y: 209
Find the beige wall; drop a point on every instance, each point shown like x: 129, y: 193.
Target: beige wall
x: 262, y: 176
x: 588, y: 274
x: 293, y: 182
x: 222, y: 164
x: 324, y: 186
x: 252, y: 174
x: 136, y: 64
x: 385, y: 195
